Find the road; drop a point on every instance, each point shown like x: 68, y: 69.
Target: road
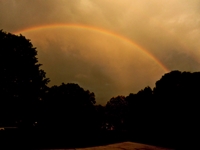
x: 122, y: 146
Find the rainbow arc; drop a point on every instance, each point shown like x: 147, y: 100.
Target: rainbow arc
x: 98, y: 30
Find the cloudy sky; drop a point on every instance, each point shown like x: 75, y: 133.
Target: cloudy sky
x: 110, y: 47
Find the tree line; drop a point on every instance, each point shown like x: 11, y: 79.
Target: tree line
x: 168, y: 114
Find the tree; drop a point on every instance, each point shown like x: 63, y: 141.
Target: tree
x: 140, y: 116
x: 69, y: 107
x: 100, y: 114
x: 116, y: 111
x: 177, y: 95
x: 22, y: 82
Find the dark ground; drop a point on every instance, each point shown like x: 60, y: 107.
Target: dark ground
x: 35, y: 139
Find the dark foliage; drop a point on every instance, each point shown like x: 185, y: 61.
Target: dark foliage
x: 116, y: 112
x: 169, y: 114
x: 22, y: 83
x: 69, y: 107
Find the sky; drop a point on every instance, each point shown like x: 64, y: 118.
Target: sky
x: 110, y: 47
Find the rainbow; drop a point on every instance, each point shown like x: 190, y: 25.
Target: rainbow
x: 99, y: 30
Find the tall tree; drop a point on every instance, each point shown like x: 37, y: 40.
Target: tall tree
x: 22, y: 82
x: 177, y: 95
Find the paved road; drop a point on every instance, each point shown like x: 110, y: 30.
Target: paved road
x: 122, y: 146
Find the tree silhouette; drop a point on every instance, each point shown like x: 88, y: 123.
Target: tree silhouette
x: 70, y: 108
x: 22, y: 82
x: 177, y: 96
x: 116, y: 111
x: 100, y: 114
x: 140, y: 116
